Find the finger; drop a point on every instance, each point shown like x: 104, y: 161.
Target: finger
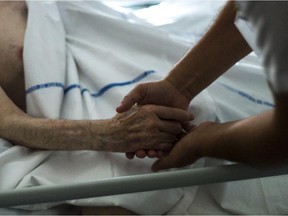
x: 187, y: 125
x: 141, y: 153
x: 130, y: 155
x: 151, y: 153
x: 129, y: 100
x: 172, y: 160
x: 173, y: 114
x: 161, y: 154
x: 125, y: 105
x: 162, y: 163
x: 165, y: 146
x: 171, y: 127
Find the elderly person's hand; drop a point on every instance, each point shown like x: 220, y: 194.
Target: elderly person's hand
x: 147, y: 127
x: 143, y: 127
x: 162, y: 93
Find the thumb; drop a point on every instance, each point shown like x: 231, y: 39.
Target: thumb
x: 172, y: 160
x: 161, y: 164
x: 129, y: 100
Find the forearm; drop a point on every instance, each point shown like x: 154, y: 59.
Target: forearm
x: 55, y: 134
x: 259, y: 140
x: 219, y: 49
x: 145, y: 127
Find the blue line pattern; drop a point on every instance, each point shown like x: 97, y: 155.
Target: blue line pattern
x: 247, y: 96
x: 104, y: 89
x: 45, y: 85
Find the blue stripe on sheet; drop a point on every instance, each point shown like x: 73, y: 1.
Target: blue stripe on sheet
x: 104, y: 89
x: 247, y: 96
x: 45, y: 85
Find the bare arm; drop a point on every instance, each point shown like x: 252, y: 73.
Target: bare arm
x: 144, y: 127
x: 258, y: 140
x: 219, y: 49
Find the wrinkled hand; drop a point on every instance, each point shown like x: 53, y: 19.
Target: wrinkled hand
x: 161, y: 93
x: 147, y: 127
x: 187, y: 150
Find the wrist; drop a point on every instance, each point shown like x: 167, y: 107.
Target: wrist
x: 220, y: 140
x: 182, y: 84
x: 257, y: 140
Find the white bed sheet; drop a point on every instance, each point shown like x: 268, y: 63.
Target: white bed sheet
x: 92, y: 58
x: 240, y: 93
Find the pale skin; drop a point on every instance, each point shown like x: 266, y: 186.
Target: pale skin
x: 143, y: 127
x: 258, y: 140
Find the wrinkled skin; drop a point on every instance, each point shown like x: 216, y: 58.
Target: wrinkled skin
x: 147, y: 127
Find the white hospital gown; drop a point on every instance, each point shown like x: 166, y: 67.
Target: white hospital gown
x: 267, y: 32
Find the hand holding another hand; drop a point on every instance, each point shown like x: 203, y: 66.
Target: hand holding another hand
x: 147, y: 127
x: 187, y: 150
x: 161, y: 93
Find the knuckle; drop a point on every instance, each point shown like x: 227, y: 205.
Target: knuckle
x: 153, y: 122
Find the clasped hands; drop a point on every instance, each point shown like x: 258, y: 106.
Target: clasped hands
x: 166, y: 97
x: 153, y: 129
x: 175, y: 142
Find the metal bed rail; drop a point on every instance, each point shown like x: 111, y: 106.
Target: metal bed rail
x: 136, y: 183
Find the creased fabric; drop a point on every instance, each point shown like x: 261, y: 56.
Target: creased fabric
x: 81, y: 58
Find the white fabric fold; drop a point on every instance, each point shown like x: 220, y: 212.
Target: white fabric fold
x: 238, y: 94
x: 81, y: 58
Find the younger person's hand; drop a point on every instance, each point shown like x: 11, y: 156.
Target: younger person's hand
x: 148, y: 127
x: 161, y: 93
x: 187, y: 150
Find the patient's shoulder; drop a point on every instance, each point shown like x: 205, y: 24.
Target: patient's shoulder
x: 12, y: 28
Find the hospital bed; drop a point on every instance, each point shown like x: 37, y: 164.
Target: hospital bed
x: 208, y: 178
x: 137, y: 183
